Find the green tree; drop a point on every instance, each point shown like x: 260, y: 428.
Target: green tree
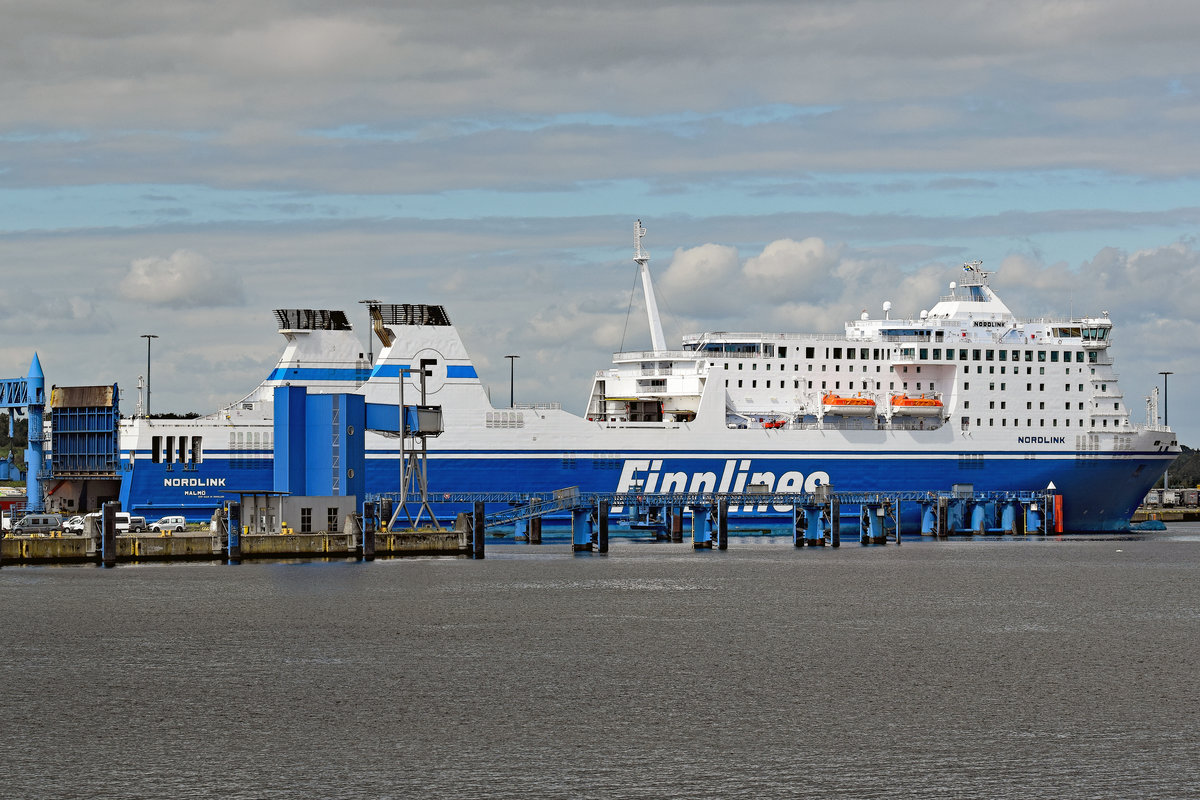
x: 1185, y: 472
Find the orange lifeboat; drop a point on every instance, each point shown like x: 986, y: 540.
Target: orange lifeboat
x: 857, y: 406
x: 919, y: 406
x: 775, y: 423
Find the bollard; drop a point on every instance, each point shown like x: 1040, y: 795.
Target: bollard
x: 108, y: 534
x: 233, y: 517
x: 723, y: 524
x: 368, y: 532
x: 477, y: 531
x: 602, y: 525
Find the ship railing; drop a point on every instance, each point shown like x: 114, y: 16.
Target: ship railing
x: 627, y: 424
x: 901, y: 338
x: 658, y: 355
x: 539, y: 406
x: 756, y: 337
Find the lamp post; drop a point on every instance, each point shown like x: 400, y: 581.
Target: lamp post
x: 1166, y: 421
x: 512, y: 360
x: 370, y: 304
x: 148, y: 337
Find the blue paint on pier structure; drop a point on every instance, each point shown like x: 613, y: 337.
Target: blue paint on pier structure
x: 28, y: 395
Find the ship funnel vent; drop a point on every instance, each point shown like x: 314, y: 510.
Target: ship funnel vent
x: 414, y: 314
x: 310, y: 319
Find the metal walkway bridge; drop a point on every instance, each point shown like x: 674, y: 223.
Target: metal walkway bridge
x: 959, y: 510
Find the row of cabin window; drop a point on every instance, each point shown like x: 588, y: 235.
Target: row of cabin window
x: 922, y: 354
x: 963, y: 354
x: 892, y: 385
x: 991, y: 355
x: 1016, y: 423
x: 1041, y: 405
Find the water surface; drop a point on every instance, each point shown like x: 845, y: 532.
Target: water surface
x: 996, y: 668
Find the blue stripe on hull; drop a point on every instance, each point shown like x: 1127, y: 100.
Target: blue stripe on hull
x: 1099, y: 494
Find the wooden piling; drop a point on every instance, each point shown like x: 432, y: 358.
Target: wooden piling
x: 477, y: 531
x: 368, y: 532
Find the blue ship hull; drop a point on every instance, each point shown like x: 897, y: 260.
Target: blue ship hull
x: 1100, y: 494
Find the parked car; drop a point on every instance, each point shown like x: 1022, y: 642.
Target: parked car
x: 137, y: 524
x: 73, y: 525
x: 169, y: 524
x: 38, y: 523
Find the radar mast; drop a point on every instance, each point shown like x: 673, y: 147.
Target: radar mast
x: 657, y: 341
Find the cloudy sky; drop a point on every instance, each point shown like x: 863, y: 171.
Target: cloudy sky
x: 183, y: 168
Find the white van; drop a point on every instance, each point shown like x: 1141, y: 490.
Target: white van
x: 169, y: 524
x: 124, y: 522
x: 38, y: 523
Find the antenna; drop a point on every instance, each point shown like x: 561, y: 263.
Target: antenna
x: 657, y: 341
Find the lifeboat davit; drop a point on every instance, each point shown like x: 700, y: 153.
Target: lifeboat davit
x: 919, y: 406
x: 857, y: 406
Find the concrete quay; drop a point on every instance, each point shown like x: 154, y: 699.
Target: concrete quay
x: 1185, y: 514
x: 192, y: 546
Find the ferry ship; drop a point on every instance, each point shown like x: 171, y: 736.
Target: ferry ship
x: 966, y: 393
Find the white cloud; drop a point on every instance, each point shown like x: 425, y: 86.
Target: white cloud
x: 184, y: 279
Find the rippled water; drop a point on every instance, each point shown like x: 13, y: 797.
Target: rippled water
x: 1063, y: 668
